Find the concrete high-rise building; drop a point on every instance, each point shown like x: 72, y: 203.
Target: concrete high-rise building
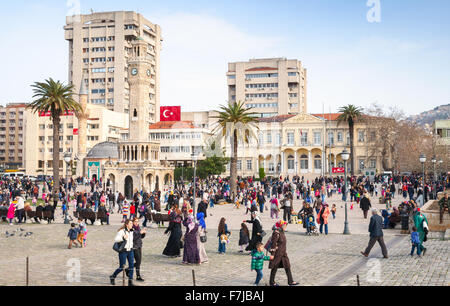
x: 272, y: 86
x: 12, y: 136
x: 100, y: 45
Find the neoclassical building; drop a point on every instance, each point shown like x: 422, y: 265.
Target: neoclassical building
x: 308, y: 145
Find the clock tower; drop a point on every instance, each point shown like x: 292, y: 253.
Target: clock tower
x: 142, y: 111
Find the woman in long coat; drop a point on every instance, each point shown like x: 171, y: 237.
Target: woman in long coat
x: 174, y: 243
x: 201, y: 232
x: 280, y: 257
x: 256, y: 231
x: 190, y: 253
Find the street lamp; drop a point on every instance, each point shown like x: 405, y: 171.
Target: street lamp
x: 345, y: 155
x: 433, y: 160
x: 423, y: 159
x: 67, y: 159
x: 194, y: 159
x: 440, y: 167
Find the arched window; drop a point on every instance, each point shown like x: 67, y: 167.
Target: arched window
x: 304, y: 162
x: 317, y: 162
x: 291, y: 162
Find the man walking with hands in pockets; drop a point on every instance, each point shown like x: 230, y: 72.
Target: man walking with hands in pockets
x: 376, y: 234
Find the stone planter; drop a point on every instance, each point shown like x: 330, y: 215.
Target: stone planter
x: 431, y: 211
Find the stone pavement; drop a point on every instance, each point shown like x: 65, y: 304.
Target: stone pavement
x: 318, y: 260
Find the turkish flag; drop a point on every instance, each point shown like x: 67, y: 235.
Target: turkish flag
x: 170, y: 113
x: 75, y: 132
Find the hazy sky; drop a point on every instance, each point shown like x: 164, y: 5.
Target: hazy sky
x: 402, y: 60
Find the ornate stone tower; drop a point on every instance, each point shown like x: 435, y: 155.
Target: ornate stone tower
x: 139, y: 78
x: 82, y: 128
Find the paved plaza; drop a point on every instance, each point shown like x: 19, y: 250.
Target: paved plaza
x: 317, y: 260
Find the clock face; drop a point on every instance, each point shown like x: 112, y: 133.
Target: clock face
x: 134, y: 71
x: 148, y: 72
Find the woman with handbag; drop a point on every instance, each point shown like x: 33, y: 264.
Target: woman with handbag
x: 138, y: 235
x: 124, y: 246
x: 201, y: 238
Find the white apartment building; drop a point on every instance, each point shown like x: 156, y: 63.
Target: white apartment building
x: 12, y: 136
x: 272, y: 87
x: 102, y: 125
x: 99, y: 49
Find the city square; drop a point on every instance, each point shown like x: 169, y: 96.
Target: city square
x: 154, y: 152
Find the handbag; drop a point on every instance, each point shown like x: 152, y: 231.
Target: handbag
x: 119, y: 246
x: 263, y: 234
x: 203, y: 239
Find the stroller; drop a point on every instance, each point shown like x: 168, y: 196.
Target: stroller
x: 311, y: 227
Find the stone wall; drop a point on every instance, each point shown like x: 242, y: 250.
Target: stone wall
x: 431, y: 210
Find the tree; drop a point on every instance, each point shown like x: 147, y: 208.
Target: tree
x: 262, y: 173
x: 235, y: 122
x: 351, y: 114
x: 57, y: 99
x: 212, y: 166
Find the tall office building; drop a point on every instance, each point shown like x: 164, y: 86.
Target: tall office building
x: 273, y: 86
x: 12, y: 136
x: 100, y: 45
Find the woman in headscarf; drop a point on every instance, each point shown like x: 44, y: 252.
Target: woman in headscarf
x: 201, y: 233
x: 279, y: 253
x: 394, y: 218
x: 190, y: 252
x: 174, y: 243
x: 256, y: 231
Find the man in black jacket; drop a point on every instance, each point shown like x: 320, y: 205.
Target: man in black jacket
x: 202, y: 207
x: 376, y: 234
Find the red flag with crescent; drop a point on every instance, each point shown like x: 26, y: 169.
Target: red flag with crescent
x: 170, y: 113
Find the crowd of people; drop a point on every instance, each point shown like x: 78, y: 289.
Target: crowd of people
x: 187, y: 228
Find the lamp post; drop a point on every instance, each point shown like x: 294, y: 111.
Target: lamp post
x: 345, y: 156
x: 194, y: 159
x: 440, y: 167
x: 423, y: 159
x: 433, y: 160
x: 67, y: 159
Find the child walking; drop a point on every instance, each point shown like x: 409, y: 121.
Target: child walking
x: 244, y: 237
x: 82, y: 233
x: 333, y: 211
x: 258, y: 259
x: 415, y: 242
x: 223, y: 234
x: 125, y: 210
x: 73, y: 235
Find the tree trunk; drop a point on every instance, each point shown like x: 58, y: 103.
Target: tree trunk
x: 56, y: 125
x: 352, y: 163
x: 233, y: 167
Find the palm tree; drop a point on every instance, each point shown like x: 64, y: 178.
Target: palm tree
x: 235, y: 121
x: 54, y: 98
x: 351, y: 114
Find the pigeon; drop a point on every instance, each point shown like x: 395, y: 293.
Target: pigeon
x: 28, y: 234
x: 20, y: 235
x: 7, y: 234
x: 21, y: 229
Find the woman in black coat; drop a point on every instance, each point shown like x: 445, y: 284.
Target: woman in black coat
x: 256, y: 231
x: 174, y: 243
x: 365, y: 205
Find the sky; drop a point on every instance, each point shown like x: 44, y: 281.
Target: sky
x: 392, y: 52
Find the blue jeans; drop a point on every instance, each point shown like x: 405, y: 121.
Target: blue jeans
x: 261, y: 208
x: 326, y: 228
x: 259, y: 276
x: 96, y: 206
x: 123, y: 257
x: 222, y: 247
x: 211, y: 203
x: 323, y: 198
x: 419, y: 248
